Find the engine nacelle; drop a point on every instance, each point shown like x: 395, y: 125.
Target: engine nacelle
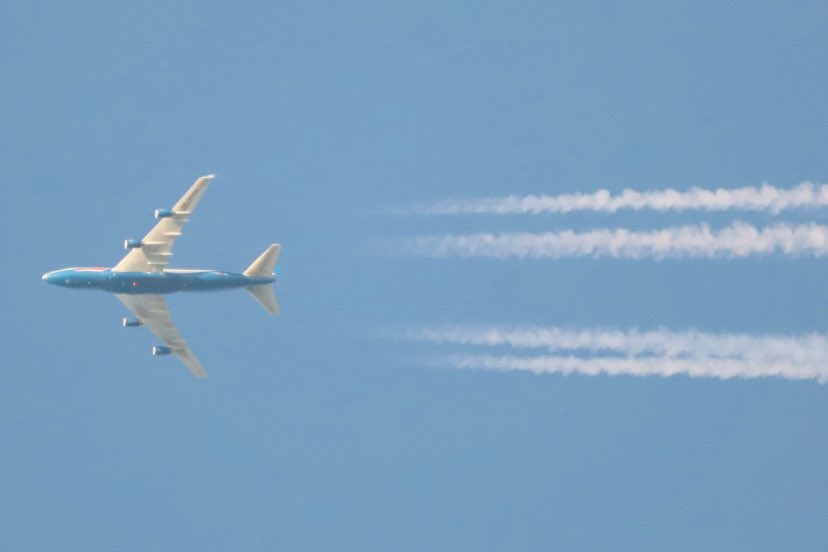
x: 131, y: 322
x: 163, y: 213
x: 133, y: 244
x: 160, y: 350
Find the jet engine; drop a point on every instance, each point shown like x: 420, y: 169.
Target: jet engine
x: 163, y: 213
x: 159, y: 350
x: 131, y: 322
x: 133, y: 244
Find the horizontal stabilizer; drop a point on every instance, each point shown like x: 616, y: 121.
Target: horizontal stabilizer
x: 266, y: 297
x: 264, y: 265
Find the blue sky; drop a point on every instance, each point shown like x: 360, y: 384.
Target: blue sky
x: 312, y: 432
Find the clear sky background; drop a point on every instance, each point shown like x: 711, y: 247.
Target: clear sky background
x: 312, y: 433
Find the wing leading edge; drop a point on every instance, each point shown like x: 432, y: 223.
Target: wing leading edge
x: 153, y: 313
x: 157, y: 246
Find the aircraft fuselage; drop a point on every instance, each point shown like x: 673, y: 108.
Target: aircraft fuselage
x: 168, y: 281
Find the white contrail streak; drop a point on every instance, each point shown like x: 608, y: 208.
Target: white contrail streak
x: 658, y: 352
x: 693, y: 241
x: 647, y: 366
x: 691, y: 343
x: 750, y: 198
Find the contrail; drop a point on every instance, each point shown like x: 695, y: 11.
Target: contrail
x: 750, y: 198
x: 658, y: 352
x: 812, y: 348
x: 693, y: 241
x: 647, y: 366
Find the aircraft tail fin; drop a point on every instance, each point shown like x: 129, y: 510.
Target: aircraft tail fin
x: 263, y: 266
x: 266, y: 297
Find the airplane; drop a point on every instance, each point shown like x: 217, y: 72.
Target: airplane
x: 141, y: 279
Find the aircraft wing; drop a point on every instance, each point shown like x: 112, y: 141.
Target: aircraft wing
x: 153, y: 313
x: 157, y: 246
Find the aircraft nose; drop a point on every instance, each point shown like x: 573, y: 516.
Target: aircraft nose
x: 45, y: 277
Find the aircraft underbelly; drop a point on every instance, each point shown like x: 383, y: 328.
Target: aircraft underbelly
x: 144, y: 283
x: 161, y: 283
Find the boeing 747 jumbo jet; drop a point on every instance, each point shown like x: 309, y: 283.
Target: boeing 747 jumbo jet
x: 142, y: 278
